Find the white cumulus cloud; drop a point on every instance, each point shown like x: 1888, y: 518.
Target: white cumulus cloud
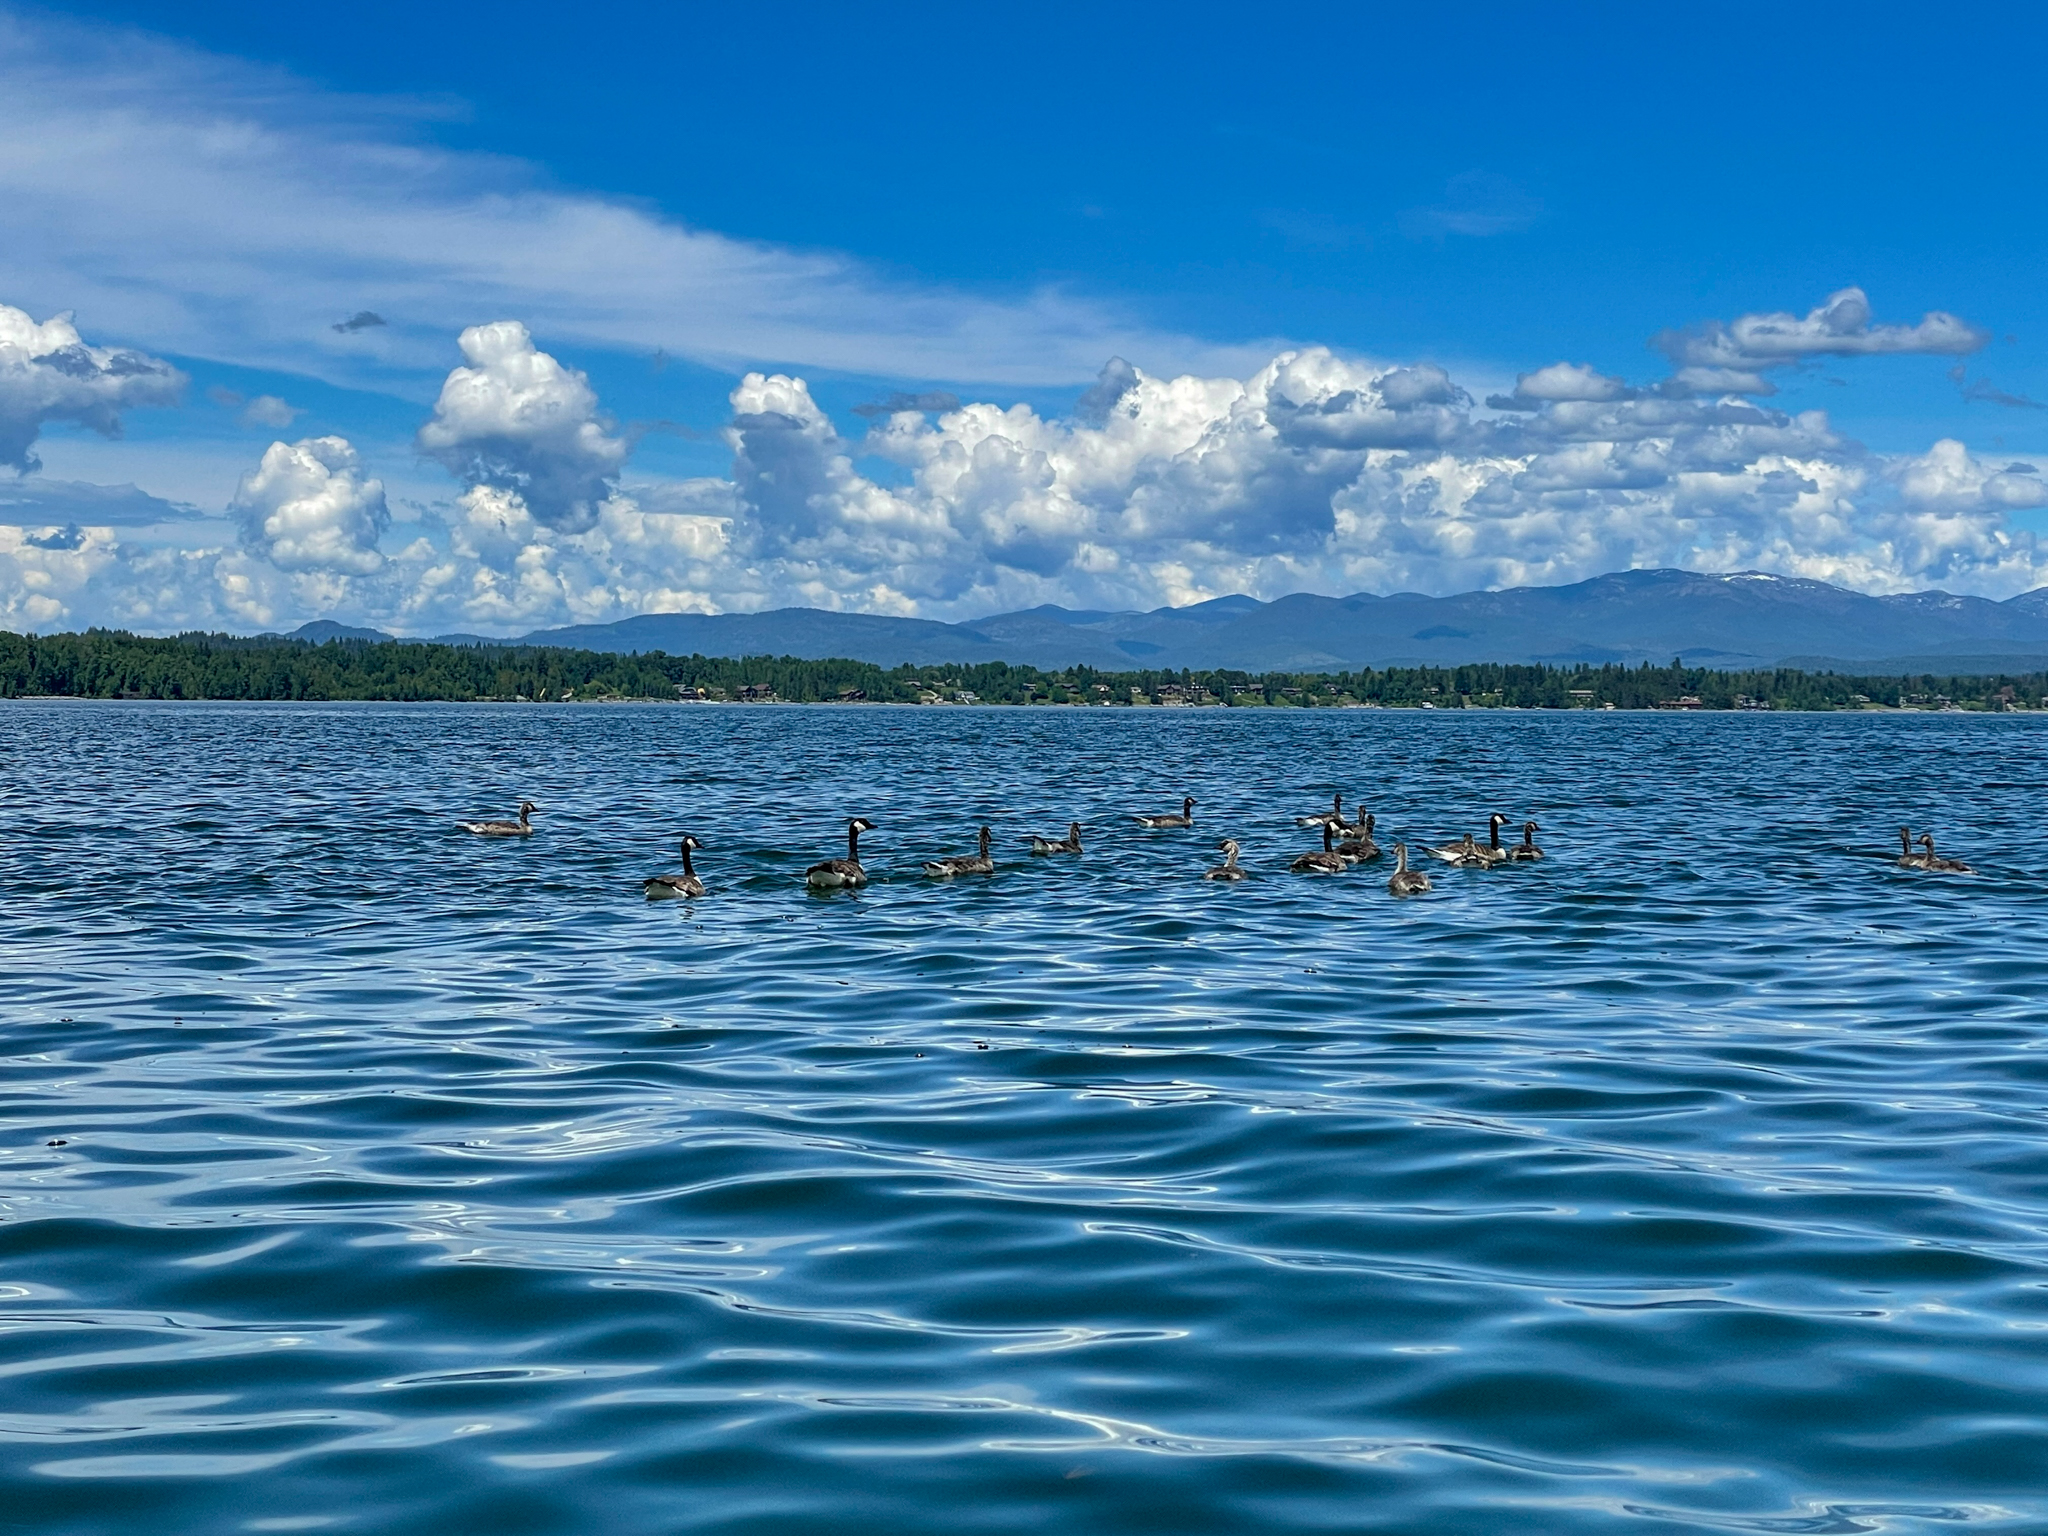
x: 48, y: 373
x: 269, y: 411
x: 516, y: 420
x: 1731, y: 356
x: 309, y: 507
x: 1561, y: 381
x: 1316, y: 471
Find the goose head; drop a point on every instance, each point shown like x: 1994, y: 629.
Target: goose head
x: 860, y: 824
x: 985, y: 836
x: 1496, y: 820
x: 1229, y: 849
x: 527, y: 807
x: 1187, y: 804
x: 1529, y: 830
x: 1370, y: 822
x: 1906, y: 838
x: 690, y: 843
x: 1073, y: 831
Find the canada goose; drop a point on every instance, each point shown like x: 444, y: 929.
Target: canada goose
x: 667, y: 887
x: 834, y: 873
x: 1908, y: 859
x: 1186, y: 818
x: 1936, y: 862
x: 980, y: 864
x: 1526, y: 848
x: 1463, y: 854
x: 1334, y: 813
x: 1328, y: 862
x: 1493, y: 853
x: 1406, y: 881
x: 523, y: 827
x: 1228, y: 869
x: 1360, y: 847
x: 1069, y: 844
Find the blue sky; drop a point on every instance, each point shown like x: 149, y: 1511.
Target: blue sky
x: 989, y: 205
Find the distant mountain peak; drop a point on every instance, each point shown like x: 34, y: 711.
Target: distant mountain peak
x: 1213, y: 608
x: 320, y: 631
x: 1729, y: 619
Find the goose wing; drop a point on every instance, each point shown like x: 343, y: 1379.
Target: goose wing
x: 1318, y: 864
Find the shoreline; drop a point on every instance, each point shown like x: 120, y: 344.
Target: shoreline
x: 1282, y: 710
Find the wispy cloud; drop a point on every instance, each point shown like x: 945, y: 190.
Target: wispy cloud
x: 922, y: 402
x: 198, y: 205
x: 1987, y: 393
x: 36, y: 503
x: 1475, y: 204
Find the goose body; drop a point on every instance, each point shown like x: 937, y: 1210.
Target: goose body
x: 1328, y: 862
x: 1334, y: 813
x: 833, y: 874
x: 1908, y: 859
x: 523, y: 827
x: 1464, y: 854
x: 669, y: 887
x: 1071, y: 843
x: 1186, y: 818
x: 1228, y: 869
x: 979, y: 864
x: 1359, y: 848
x: 1526, y: 849
x: 1493, y: 853
x: 1406, y: 881
x: 1934, y: 861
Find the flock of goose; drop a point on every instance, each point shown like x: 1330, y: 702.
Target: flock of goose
x: 1345, y: 844
x: 1334, y: 857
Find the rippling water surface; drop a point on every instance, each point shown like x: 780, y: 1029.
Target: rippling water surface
x: 359, y: 1175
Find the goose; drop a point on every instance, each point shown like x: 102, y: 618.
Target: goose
x: 980, y: 864
x: 1360, y: 847
x: 1228, y: 869
x: 1186, y: 818
x: 1406, y: 881
x: 1493, y: 853
x: 1334, y: 813
x: 1526, y: 848
x: 1464, y: 854
x: 834, y: 873
x: 1071, y: 843
x: 1942, y: 865
x: 667, y: 887
x: 523, y: 827
x: 1328, y: 862
x: 1908, y: 859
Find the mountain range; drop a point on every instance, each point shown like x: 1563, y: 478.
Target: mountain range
x: 1739, y: 620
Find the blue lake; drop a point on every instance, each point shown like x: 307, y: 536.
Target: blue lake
x: 359, y: 1175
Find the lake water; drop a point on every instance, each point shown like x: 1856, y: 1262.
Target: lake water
x: 362, y: 1176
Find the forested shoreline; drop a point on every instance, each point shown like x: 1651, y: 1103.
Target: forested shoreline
x: 112, y: 664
